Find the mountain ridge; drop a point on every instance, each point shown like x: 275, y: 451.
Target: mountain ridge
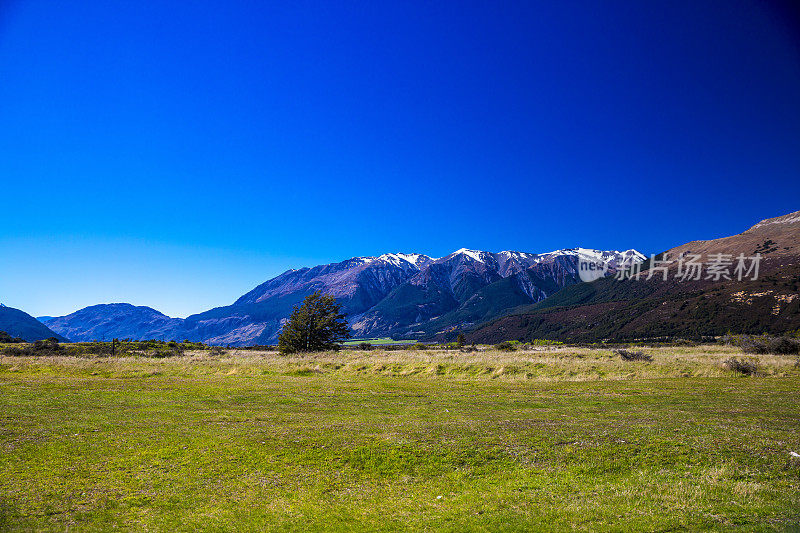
x: 610, y: 309
x: 494, y: 296
x: 367, y: 287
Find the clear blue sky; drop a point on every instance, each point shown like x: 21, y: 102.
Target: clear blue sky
x: 175, y: 154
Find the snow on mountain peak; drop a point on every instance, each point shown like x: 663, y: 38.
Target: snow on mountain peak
x: 508, y: 254
x: 634, y: 253
x: 473, y: 254
x: 597, y: 255
x: 397, y: 259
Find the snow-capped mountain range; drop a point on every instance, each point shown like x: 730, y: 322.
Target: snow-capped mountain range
x: 407, y: 294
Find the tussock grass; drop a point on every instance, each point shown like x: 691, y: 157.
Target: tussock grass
x: 633, y: 355
x: 549, y: 363
x: 742, y: 366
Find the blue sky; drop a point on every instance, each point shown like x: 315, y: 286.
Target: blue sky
x: 176, y: 154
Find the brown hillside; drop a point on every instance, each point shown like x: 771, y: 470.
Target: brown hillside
x: 622, y: 310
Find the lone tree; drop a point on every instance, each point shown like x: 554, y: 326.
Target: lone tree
x: 461, y: 340
x: 316, y: 325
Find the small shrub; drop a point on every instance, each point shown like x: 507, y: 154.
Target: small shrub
x: 160, y: 353
x: 16, y: 351
x: 748, y: 368
x: 752, y: 344
x: 419, y: 346
x: 630, y: 355
x: 545, y: 342
x: 730, y: 339
x: 365, y: 346
x: 763, y: 344
x: 783, y: 346
x: 6, y: 338
x: 217, y: 351
x: 506, y: 346
x: 47, y: 347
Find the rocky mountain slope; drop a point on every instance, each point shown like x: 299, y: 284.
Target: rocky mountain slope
x: 680, y: 305
x: 466, y: 286
x: 257, y: 317
x: 20, y: 324
x: 403, y: 294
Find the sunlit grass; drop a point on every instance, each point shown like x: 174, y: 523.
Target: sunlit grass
x: 382, y: 341
x: 552, y: 439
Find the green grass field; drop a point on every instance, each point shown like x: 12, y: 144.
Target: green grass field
x: 377, y: 341
x: 556, y: 439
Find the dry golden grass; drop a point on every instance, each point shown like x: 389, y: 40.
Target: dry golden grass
x: 560, y: 363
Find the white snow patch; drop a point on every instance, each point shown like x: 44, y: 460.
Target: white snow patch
x: 473, y: 254
x: 597, y: 255
x: 791, y: 218
x: 518, y: 255
x: 398, y: 259
x: 404, y: 260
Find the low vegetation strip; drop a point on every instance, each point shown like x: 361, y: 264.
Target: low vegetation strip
x: 256, y: 441
x: 378, y: 341
x: 528, y: 363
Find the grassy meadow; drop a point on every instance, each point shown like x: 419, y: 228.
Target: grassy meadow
x: 377, y: 341
x: 548, y: 439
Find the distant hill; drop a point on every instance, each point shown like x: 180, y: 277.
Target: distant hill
x: 116, y: 321
x: 631, y: 309
x: 20, y: 324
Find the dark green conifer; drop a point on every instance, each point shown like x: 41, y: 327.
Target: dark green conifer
x: 316, y: 325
